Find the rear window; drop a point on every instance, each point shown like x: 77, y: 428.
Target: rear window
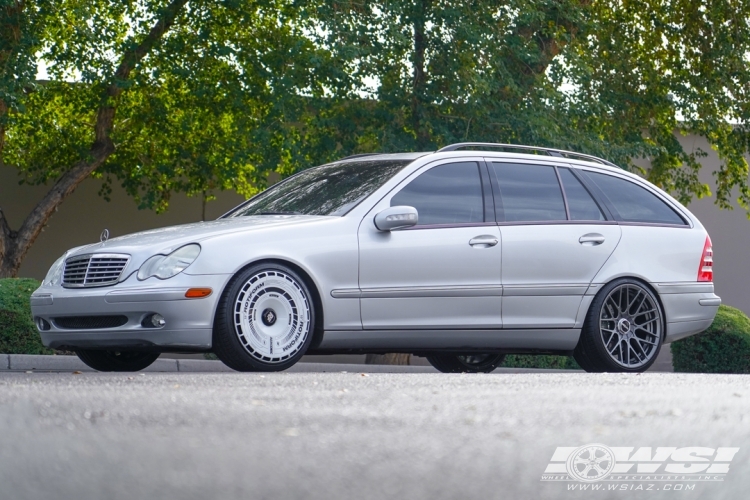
x: 634, y: 203
x: 331, y: 189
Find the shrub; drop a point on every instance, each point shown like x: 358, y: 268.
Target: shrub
x: 18, y: 335
x: 723, y: 348
x: 540, y: 361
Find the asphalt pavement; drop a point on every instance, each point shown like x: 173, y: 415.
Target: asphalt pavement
x: 353, y: 435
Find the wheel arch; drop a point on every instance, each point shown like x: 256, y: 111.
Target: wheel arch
x: 584, y: 311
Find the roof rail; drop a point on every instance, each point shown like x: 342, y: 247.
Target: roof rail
x: 360, y: 155
x: 560, y: 153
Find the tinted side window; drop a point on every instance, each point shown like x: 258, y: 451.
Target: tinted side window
x: 446, y: 194
x: 580, y: 203
x: 634, y: 203
x: 529, y: 192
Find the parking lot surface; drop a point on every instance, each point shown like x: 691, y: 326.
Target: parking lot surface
x: 312, y: 435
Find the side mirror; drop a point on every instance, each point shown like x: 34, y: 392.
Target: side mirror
x: 396, y: 218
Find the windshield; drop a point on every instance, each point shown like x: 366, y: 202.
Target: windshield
x: 331, y: 189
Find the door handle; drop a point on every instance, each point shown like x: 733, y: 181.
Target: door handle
x: 483, y: 241
x: 591, y: 239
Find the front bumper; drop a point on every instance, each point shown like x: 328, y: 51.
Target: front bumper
x: 188, y: 322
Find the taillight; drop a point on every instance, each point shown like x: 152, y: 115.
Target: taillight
x: 706, y: 269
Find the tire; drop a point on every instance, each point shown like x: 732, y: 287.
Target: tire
x: 116, y: 361
x: 265, y: 319
x: 623, y: 331
x: 473, y: 363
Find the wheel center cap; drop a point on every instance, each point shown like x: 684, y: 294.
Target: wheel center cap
x: 623, y: 325
x: 268, y: 316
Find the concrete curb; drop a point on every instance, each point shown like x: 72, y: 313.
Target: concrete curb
x: 42, y: 363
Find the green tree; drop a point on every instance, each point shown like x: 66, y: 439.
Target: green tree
x: 650, y: 68
x: 197, y: 96
x: 424, y: 73
x: 24, y: 25
x: 159, y: 96
x: 611, y: 78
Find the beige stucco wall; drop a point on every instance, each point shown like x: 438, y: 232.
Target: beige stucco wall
x: 82, y: 217
x: 730, y: 235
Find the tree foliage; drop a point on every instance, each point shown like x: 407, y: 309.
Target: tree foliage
x: 427, y: 73
x: 615, y: 79
x: 195, y: 96
x: 649, y: 68
x: 159, y: 96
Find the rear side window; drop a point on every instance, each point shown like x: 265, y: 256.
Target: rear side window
x: 446, y: 194
x: 634, y: 203
x: 580, y: 203
x: 529, y: 193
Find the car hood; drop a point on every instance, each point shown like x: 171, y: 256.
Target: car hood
x: 167, y: 239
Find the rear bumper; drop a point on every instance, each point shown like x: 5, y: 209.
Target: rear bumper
x: 188, y: 324
x: 690, y: 308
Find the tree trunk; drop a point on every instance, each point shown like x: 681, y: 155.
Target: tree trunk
x: 393, y: 358
x: 15, y: 244
x: 419, y: 78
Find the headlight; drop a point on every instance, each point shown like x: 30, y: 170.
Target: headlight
x: 54, y: 275
x: 166, y: 266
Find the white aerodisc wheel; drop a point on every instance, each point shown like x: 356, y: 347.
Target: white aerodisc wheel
x: 272, y: 316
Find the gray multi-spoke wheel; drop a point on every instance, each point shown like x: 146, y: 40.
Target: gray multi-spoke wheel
x: 624, y: 329
x: 469, y: 363
x: 265, y: 320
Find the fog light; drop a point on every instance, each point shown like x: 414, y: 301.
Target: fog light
x: 42, y: 324
x: 153, y: 321
x: 158, y: 320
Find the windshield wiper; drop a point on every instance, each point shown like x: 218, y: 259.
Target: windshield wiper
x: 279, y: 213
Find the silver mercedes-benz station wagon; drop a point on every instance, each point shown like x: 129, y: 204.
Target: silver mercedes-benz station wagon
x: 461, y: 255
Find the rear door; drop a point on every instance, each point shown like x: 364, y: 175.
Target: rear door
x: 554, y: 242
x: 444, y: 272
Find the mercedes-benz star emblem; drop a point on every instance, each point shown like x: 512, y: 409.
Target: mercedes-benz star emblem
x: 269, y: 317
x: 104, y: 236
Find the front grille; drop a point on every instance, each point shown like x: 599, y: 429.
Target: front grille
x: 90, y: 322
x: 93, y: 270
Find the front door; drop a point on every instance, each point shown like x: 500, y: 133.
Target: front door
x: 554, y: 242
x: 444, y: 272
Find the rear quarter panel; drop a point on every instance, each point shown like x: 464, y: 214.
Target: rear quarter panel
x: 668, y: 259
x: 656, y: 254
